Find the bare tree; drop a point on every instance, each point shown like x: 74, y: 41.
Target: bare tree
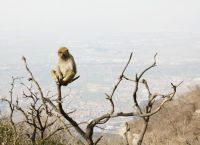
x: 143, y: 112
x: 147, y: 112
x: 35, y: 115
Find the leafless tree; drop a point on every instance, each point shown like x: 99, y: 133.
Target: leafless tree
x: 143, y: 112
x: 37, y: 116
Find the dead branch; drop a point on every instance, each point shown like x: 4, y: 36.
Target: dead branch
x: 36, y: 83
x: 35, y: 115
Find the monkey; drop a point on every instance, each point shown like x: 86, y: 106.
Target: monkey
x: 66, y: 67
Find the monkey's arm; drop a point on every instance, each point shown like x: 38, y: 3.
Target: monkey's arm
x: 71, y: 72
x: 55, y: 76
x: 60, y: 75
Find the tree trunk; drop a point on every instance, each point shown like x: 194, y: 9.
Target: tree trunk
x: 146, y: 121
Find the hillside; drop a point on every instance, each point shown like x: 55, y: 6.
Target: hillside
x: 178, y: 123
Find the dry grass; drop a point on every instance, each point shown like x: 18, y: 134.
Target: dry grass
x: 8, y: 136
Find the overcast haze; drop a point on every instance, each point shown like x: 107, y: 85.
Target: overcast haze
x: 99, y: 16
x: 36, y: 28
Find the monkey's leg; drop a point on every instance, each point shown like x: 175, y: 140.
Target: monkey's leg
x: 69, y: 77
x: 59, y: 74
x: 55, y: 76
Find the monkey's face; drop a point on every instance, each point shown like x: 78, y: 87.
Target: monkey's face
x: 63, y: 53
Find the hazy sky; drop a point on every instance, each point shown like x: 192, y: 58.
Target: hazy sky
x: 36, y: 28
x: 98, y: 16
